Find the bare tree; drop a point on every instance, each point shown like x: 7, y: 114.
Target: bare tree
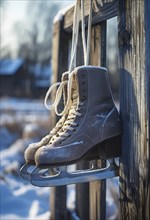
x: 34, y: 36
x: 4, y: 48
x: 2, y: 2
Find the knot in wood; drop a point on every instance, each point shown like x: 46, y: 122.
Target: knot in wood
x: 124, y: 38
x: 95, y: 5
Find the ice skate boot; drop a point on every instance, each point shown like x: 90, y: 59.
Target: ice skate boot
x: 91, y: 131
x: 32, y: 148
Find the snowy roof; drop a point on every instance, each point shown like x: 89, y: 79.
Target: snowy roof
x: 42, y: 75
x: 9, y: 67
x: 61, y: 13
x: 42, y: 83
x: 40, y: 71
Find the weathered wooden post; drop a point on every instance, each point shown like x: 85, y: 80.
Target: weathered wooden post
x: 98, y: 188
x: 59, y: 65
x: 134, y: 47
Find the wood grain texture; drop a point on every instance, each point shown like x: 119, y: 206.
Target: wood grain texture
x: 100, y: 13
x: 60, y: 48
x: 98, y: 188
x: 59, y: 65
x: 91, y: 198
x: 82, y: 189
x: 134, y: 47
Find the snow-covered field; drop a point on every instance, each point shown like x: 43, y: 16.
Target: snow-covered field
x: 21, y: 123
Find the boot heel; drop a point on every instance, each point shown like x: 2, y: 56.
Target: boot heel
x: 111, y: 148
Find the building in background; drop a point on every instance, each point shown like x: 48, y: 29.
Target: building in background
x: 41, y: 79
x: 22, y: 80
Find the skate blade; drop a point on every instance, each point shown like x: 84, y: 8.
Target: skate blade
x: 26, y: 170
x: 62, y: 177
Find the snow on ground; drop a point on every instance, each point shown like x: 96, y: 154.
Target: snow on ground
x: 21, y: 123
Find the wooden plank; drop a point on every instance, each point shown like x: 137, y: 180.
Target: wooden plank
x: 134, y: 47
x: 59, y: 65
x: 60, y: 47
x: 82, y: 190
x: 58, y: 207
x: 100, y: 13
x: 82, y: 195
x: 98, y: 188
x: 91, y: 202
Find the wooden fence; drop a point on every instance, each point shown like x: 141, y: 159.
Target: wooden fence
x: 134, y: 56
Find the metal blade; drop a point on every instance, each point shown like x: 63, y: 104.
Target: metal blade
x: 66, y: 178
x: 26, y: 170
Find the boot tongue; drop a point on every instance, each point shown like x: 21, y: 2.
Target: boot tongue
x: 74, y: 99
x: 74, y: 95
x: 71, y: 115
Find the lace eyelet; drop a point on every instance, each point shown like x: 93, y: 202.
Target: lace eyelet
x: 83, y: 75
x: 83, y: 97
x: 82, y: 103
x: 83, y: 83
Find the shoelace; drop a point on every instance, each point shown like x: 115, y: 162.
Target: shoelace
x: 63, y: 83
x: 86, y: 46
x: 59, y: 93
x: 48, y: 137
x: 73, y: 108
x: 74, y: 36
x: 69, y: 94
x: 69, y: 108
x: 73, y: 112
x: 72, y: 104
x: 72, y: 61
x: 70, y: 123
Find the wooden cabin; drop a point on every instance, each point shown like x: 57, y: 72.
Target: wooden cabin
x: 22, y: 80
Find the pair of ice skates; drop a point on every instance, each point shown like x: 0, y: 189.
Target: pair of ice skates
x: 88, y: 130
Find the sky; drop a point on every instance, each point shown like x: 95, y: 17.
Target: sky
x: 11, y: 12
